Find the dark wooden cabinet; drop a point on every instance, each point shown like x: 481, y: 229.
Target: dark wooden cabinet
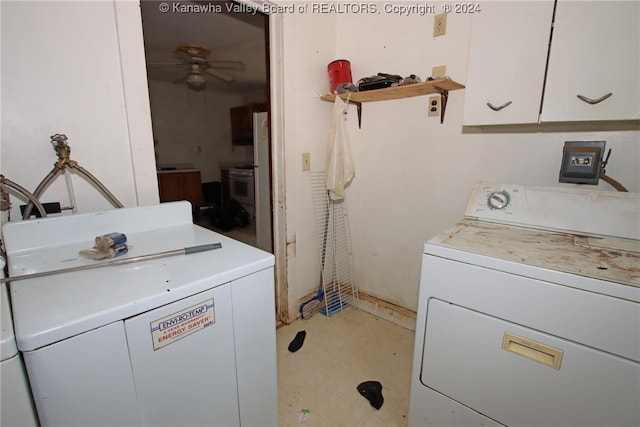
x: 181, y: 185
x: 242, y: 122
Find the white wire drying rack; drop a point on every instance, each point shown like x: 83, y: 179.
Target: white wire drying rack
x: 332, y: 228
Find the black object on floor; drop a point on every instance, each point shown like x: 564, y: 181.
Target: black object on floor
x: 372, y: 391
x: 297, y: 342
x: 229, y: 215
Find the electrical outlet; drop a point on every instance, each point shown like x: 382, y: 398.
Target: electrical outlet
x: 439, y: 71
x: 440, y: 25
x: 306, y: 162
x: 434, y: 106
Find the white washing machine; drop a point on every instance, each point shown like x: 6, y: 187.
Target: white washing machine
x: 184, y: 340
x: 529, y: 312
x: 16, y: 405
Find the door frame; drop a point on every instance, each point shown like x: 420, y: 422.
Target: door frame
x: 278, y: 202
x: 137, y: 104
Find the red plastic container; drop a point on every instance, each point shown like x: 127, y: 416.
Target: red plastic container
x: 339, y: 72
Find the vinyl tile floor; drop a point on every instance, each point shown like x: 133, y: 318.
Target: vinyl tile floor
x: 340, y: 352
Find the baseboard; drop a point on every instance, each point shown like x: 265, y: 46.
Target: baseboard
x: 386, y: 310
x: 380, y: 308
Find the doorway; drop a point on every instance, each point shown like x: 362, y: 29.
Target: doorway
x: 139, y: 108
x: 205, y: 62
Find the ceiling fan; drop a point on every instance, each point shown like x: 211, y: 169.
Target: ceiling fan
x: 194, y: 58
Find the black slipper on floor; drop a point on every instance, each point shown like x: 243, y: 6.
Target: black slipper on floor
x: 297, y: 341
x: 372, y: 390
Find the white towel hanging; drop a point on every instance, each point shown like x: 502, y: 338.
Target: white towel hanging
x: 340, y: 167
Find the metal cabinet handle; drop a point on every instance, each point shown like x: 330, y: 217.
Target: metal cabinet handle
x: 594, y: 101
x: 494, y: 108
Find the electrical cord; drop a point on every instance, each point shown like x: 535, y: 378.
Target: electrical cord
x: 615, y: 184
x: 606, y: 178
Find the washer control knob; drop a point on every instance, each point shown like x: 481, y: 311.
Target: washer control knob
x: 498, y: 200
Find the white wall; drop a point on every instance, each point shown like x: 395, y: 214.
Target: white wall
x: 193, y: 128
x: 413, y: 174
x: 62, y: 73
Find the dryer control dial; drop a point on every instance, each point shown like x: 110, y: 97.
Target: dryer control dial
x: 498, y: 200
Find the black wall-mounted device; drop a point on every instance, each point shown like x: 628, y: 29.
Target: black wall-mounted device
x: 582, y: 161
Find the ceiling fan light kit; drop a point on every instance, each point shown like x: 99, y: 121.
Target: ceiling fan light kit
x: 195, y: 79
x: 196, y: 82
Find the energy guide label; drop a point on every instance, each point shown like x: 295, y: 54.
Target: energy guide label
x: 178, y: 325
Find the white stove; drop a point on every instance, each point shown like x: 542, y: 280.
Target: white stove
x: 169, y: 341
x: 529, y: 312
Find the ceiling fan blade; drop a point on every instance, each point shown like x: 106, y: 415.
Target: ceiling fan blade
x: 228, y: 65
x: 165, y: 64
x: 220, y: 75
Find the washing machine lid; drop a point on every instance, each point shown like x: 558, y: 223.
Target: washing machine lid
x: 8, y: 347
x: 52, y: 308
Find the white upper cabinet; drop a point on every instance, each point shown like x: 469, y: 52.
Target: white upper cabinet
x: 595, y: 51
x: 507, y: 56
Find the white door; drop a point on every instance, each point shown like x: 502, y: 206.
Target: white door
x: 263, y: 181
x: 183, y: 361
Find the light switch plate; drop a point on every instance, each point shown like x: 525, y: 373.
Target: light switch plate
x: 440, y: 25
x: 306, y: 162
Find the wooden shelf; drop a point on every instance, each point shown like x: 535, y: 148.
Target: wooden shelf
x: 398, y: 92
x: 441, y: 86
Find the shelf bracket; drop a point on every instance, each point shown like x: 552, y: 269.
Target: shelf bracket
x: 444, y: 97
x: 358, y: 105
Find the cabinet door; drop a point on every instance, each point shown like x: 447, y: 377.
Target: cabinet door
x: 183, y: 359
x: 242, y: 122
x: 170, y: 187
x: 85, y: 380
x: 192, y: 187
x: 595, y: 50
x: 507, y: 56
x: 241, y: 125
x: 175, y: 186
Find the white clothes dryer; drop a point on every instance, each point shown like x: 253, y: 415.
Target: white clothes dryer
x: 529, y: 312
